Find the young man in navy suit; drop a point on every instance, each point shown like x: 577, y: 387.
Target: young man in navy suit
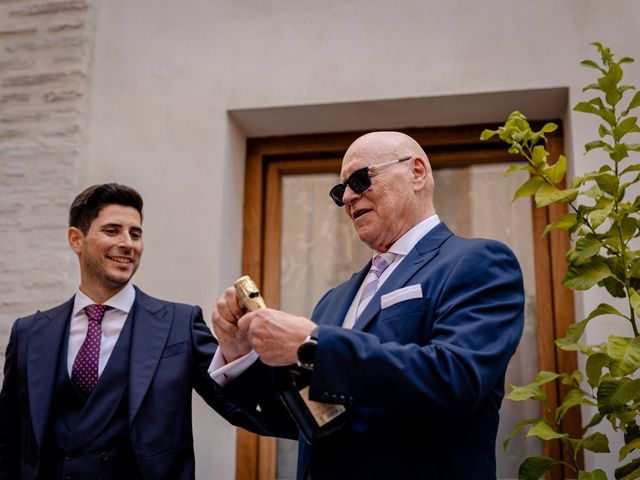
x: 415, y: 345
x: 101, y: 386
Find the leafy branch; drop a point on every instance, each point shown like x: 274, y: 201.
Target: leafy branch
x: 604, y: 223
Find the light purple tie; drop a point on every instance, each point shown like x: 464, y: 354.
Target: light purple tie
x: 378, y: 266
x: 84, y: 372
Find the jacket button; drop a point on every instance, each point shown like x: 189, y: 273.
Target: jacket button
x: 342, y: 399
x: 104, y: 457
x: 67, y: 457
x: 325, y: 396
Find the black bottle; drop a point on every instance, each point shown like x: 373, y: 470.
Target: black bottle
x: 316, y: 420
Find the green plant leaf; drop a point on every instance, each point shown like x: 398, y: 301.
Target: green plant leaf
x: 613, y: 395
x: 528, y: 188
x: 535, y: 467
x: 545, y: 376
x: 518, y: 427
x: 584, y: 250
x: 628, y: 469
x: 596, y: 442
x: 608, y: 183
x: 628, y: 125
x: 634, y: 103
x: 595, y: 475
x: 614, y: 287
x: 594, y: 366
x: 628, y: 448
x: 635, y: 301
x: 545, y: 431
x: 591, y: 64
x: 487, y: 134
x: 633, y: 475
x: 571, y: 399
x: 517, y: 168
x: 547, y: 194
x: 549, y: 127
x: 598, y: 216
x: 625, y: 355
x: 595, y: 420
x: 619, y: 153
x: 531, y: 391
x: 596, y: 144
x: 566, y: 222
x: 557, y: 171
x: 604, y: 113
x: 583, y: 277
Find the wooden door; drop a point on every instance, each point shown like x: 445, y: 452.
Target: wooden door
x: 471, y: 197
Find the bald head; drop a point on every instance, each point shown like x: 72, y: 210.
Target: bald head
x: 401, y: 194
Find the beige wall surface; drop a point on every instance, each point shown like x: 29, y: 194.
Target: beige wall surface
x: 173, y: 89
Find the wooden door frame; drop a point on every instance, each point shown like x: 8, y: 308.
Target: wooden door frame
x: 269, y: 158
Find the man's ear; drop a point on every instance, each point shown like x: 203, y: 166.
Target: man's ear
x: 421, y: 170
x: 75, y: 237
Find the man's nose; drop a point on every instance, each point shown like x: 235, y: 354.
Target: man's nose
x: 125, y: 241
x: 349, y: 195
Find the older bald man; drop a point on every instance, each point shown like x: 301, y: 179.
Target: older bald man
x: 415, y: 345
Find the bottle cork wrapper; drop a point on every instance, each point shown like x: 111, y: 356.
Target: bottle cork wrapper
x: 249, y: 294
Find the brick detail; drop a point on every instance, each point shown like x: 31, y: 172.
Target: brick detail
x: 45, y: 48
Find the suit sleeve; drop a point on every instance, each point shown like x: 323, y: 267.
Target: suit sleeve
x: 255, y: 408
x: 472, y: 328
x: 10, y: 415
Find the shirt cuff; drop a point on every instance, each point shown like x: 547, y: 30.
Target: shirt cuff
x: 222, y: 372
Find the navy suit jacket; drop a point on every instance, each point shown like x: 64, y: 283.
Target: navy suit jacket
x: 171, y: 350
x: 423, y: 378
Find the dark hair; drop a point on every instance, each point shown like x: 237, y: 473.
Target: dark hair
x: 87, y: 205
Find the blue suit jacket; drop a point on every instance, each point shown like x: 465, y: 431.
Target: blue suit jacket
x: 424, y: 377
x: 171, y: 350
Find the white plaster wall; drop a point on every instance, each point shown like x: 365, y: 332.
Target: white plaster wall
x: 166, y: 73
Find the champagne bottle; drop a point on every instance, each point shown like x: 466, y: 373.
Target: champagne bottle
x: 316, y: 420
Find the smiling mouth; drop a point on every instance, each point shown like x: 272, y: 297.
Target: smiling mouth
x: 358, y: 213
x: 123, y: 260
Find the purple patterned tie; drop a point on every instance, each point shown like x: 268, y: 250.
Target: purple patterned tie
x: 379, y: 265
x: 84, y: 372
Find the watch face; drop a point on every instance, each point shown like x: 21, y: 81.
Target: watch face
x: 307, y: 353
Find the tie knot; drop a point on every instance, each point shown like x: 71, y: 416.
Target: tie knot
x: 96, y: 312
x: 382, y: 261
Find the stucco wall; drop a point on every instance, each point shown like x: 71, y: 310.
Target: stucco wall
x: 166, y: 75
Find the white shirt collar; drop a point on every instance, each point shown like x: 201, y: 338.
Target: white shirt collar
x: 123, y: 300
x: 408, y: 241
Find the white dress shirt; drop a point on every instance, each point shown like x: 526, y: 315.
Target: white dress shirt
x: 112, y: 324
x: 223, y: 372
x: 401, y: 248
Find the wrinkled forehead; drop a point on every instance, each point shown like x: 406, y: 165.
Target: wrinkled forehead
x: 365, y: 156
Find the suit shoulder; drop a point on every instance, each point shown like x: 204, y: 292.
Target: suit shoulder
x: 477, y: 245
x: 155, y: 303
x: 27, y: 322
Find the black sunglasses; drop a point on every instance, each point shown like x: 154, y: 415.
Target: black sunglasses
x: 359, y: 181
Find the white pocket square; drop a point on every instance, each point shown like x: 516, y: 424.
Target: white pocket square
x: 400, y: 295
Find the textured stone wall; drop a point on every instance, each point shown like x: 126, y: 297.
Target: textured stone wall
x: 45, y: 56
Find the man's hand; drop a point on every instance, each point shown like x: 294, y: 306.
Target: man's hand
x: 234, y: 342
x: 275, y: 335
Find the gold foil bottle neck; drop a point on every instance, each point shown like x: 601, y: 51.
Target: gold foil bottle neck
x: 249, y: 294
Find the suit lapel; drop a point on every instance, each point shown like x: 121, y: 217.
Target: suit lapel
x: 45, y: 341
x: 151, y: 326
x: 342, y: 297
x: 424, y: 251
